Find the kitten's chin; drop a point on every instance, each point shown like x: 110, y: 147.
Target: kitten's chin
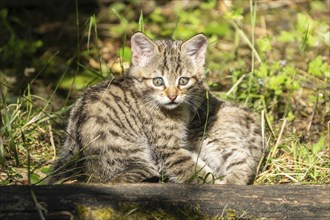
x: 171, y: 106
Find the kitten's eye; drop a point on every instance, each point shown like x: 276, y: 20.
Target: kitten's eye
x: 158, y: 81
x: 183, y: 81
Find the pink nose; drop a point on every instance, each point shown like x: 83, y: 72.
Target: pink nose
x: 172, y: 97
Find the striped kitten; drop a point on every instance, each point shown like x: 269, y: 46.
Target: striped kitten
x: 150, y: 124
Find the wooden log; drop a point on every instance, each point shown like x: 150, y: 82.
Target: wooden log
x: 165, y: 201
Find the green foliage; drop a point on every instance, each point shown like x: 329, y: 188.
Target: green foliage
x: 307, y: 32
x: 264, y: 44
x: 319, y: 68
x: 14, y: 48
x: 273, y: 81
x: 186, y: 22
x: 81, y: 81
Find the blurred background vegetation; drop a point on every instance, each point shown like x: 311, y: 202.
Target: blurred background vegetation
x: 269, y: 55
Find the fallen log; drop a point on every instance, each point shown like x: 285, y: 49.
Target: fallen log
x: 164, y: 201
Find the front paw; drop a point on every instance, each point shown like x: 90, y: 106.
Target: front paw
x: 209, y: 178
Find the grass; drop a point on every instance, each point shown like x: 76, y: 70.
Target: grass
x: 27, y: 131
x: 256, y: 57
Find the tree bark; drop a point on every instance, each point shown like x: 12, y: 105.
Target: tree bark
x: 164, y: 201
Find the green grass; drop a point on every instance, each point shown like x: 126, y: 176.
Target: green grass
x: 257, y: 57
x: 28, y: 139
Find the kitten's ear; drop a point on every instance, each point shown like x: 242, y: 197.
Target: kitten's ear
x: 195, y: 48
x: 142, y: 49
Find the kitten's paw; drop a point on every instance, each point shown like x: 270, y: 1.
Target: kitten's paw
x: 211, y: 179
x: 220, y: 182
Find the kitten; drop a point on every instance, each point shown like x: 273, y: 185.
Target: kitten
x: 159, y: 120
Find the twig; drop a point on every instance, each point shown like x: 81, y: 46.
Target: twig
x: 253, y: 12
x: 269, y: 125
x: 263, y: 141
x: 315, y: 79
x: 280, y: 4
x: 266, y: 163
x: 246, y: 39
x: 329, y: 138
x: 263, y: 129
x: 40, y: 208
x: 223, y: 211
x: 51, y: 137
x: 279, y: 138
x: 263, y: 25
x: 313, y: 114
x: 235, y: 85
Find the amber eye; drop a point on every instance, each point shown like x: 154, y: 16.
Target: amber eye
x: 158, y: 81
x: 183, y: 81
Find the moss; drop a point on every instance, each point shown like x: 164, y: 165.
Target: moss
x: 87, y: 212
x: 230, y: 214
x: 130, y: 211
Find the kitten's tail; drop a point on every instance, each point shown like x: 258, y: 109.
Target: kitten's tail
x: 68, y: 165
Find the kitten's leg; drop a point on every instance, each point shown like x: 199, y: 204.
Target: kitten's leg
x: 114, y: 154
x: 132, y: 173
x: 233, y: 146
x: 241, y: 172
x: 233, y: 157
x: 136, y: 173
x: 113, y: 167
x: 212, y: 177
x: 233, y: 164
x: 182, y: 166
x: 68, y: 165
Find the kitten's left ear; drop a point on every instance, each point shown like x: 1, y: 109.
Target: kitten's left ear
x: 143, y: 49
x: 195, y: 48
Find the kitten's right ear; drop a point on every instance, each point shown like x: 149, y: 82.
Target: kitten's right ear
x: 143, y: 49
x: 195, y: 48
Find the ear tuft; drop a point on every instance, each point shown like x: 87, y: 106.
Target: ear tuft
x: 195, y: 48
x: 143, y: 49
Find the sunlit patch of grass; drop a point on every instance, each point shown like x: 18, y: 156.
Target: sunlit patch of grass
x: 297, y: 163
x: 288, y: 159
x: 28, y: 137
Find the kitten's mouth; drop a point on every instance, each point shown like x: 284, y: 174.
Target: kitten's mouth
x: 171, y: 105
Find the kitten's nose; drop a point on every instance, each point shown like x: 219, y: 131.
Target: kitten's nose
x: 172, y: 97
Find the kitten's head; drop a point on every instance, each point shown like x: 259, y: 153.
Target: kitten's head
x: 169, y: 73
